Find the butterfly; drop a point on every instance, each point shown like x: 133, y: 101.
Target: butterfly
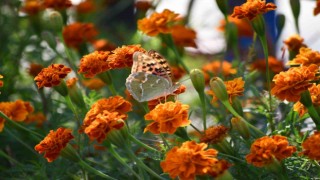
x: 150, y: 77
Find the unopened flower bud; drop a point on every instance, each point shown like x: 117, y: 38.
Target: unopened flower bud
x: 197, y: 79
x: 258, y: 25
x: 219, y: 88
x: 56, y: 21
x: 240, y: 126
x: 49, y: 38
x: 61, y: 88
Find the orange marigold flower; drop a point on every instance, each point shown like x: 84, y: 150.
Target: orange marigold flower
x: 274, y: 65
x: 183, y: 36
x: 315, y: 97
x: 52, y: 75
x: 71, y: 34
x: 158, y: 23
x: 71, y: 82
x: 103, y: 124
x: 167, y: 117
x: 32, y: 7
x: 103, y: 45
x: 87, y: 6
x: 290, y: 84
x: 219, y: 167
x: 243, y: 26
x: 37, y: 118
x: 189, y: 160
x: 294, y: 43
x: 306, y: 57
x: 143, y: 5
x: 93, y: 83
x: 35, y: 69
x: 94, y: 63
x: 57, y: 4
x: 252, y: 8
x: 265, y: 149
x: 122, y: 56
x: 17, y: 111
x: 177, y: 72
x: 214, y: 68
x: 53, y: 143
x: 311, y: 146
x: 113, y: 104
x: 300, y: 108
x: 316, y: 10
x: 214, y: 134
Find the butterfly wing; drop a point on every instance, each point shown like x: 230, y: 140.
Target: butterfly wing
x: 145, y: 87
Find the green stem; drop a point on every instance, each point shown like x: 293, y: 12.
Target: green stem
x: 195, y: 128
x: 68, y: 53
x: 204, y: 110
x: 164, y: 141
x: 135, y: 140
x: 178, y: 56
x: 232, y: 157
x: 94, y: 171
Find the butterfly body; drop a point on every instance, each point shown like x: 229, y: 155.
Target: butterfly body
x: 150, y: 77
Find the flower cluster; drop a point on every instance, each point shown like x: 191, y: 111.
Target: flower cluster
x: 104, y: 116
x: 306, y: 57
x: 53, y: 143
x: 264, y: 150
x: 52, y: 75
x: 252, y: 8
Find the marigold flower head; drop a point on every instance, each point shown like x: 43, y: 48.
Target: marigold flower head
x: 243, y: 26
x: 189, y: 160
x: 52, y: 75
x: 143, y: 5
x: 252, y: 8
x: 234, y: 88
x: 158, y: 23
x: 300, y: 108
x: 306, y: 57
x: 32, y: 7
x: 94, y: 63
x: 294, y: 43
x: 213, y: 69
x: 290, y: 84
x: 53, y: 143
x: 167, y: 117
x: 265, y: 149
x: 57, y: 4
x: 113, y: 104
x: 316, y: 10
x: 103, y: 124
x: 93, y: 83
x: 17, y: 111
x: 35, y: 69
x: 311, y: 146
x: 86, y: 6
x: 183, y: 36
x: 39, y: 118
x: 103, y: 45
x: 219, y: 167
x: 274, y: 65
x: 71, y: 34
x: 214, y: 134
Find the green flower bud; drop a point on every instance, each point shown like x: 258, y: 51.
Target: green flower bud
x: 219, y: 89
x: 197, y: 79
x: 69, y: 153
x: 49, y: 38
x: 258, y: 25
x: 61, y: 88
x: 239, y: 125
x: 305, y: 98
x: 56, y: 21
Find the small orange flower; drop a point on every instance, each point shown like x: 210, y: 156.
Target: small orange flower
x: 57, y: 4
x: 32, y: 7
x: 94, y: 63
x: 122, y: 56
x: 103, y: 45
x: 35, y: 69
x: 53, y: 143
x: 112, y: 104
x: 234, y: 88
x: 290, y: 84
x: 143, y: 5
x: 294, y: 43
x: 71, y: 82
x: 93, y: 83
x: 87, y: 6
x: 52, y: 75
x: 76, y: 34
x: 214, y: 134
x: 315, y: 97
x: 213, y: 69
x: 252, y: 8
x: 158, y: 23
x: 316, y: 10
x: 16, y: 111
x: 274, y: 65
x: 37, y: 118
x: 189, y: 160
x: 306, y: 57
x: 311, y: 146
x: 167, y: 117
x: 183, y: 36
x: 243, y: 26
x: 265, y: 149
